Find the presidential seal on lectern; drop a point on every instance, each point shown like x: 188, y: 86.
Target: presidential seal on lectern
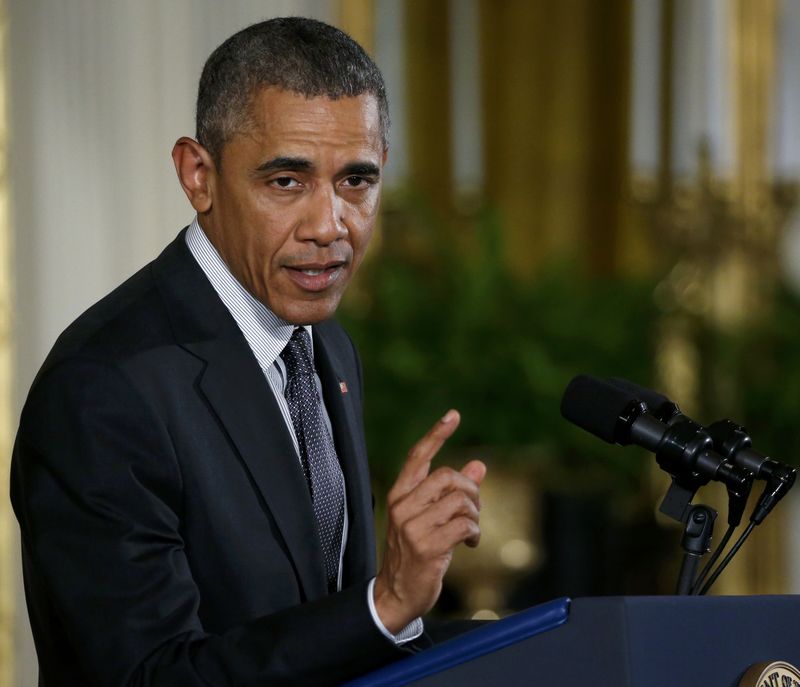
x: 775, y: 674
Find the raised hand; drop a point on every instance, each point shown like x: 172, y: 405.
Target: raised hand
x: 429, y: 514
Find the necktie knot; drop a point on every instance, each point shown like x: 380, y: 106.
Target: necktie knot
x: 296, y: 354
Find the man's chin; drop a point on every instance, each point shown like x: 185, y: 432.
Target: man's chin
x: 305, y: 313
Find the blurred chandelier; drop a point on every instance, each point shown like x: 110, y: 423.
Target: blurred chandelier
x: 715, y: 149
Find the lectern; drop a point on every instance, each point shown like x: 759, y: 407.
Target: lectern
x: 664, y: 641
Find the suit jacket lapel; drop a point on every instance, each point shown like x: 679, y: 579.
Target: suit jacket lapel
x: 349, y: 439
x: 234, y: 386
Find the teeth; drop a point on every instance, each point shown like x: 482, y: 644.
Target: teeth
x: 312, y: 273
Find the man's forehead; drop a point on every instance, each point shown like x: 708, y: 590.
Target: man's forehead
x: 273, y: 102
x: 282, y: 121
x: 285, y: 124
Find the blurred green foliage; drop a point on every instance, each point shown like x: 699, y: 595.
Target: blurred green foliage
x: 753, y: 376
x: 440, y: 322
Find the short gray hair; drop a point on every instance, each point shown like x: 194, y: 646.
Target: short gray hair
x: 300, y: 55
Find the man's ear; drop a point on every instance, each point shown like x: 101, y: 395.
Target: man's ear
x: 195, y: 170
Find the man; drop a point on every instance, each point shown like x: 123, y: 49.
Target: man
x: 190, y: 473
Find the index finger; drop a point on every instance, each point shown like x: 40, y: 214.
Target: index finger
x: 419, y: 459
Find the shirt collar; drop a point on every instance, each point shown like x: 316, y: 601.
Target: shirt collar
x: 265, y: 332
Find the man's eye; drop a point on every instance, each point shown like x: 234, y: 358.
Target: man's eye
x: 356, y: 182
x: 285, y: 182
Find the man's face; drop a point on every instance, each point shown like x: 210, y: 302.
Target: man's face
x: 295, y: 200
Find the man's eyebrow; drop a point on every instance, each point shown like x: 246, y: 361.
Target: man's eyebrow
x: 364, y: 169
x: 292, y: 164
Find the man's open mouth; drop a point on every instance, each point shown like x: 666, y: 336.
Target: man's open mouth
x: 315, y: 277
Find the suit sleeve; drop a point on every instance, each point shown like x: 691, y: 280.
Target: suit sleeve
x: 97, y: 490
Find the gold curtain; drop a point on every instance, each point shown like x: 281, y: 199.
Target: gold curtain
x: 555, y: 106
x: 428, y: 106
x: 357, y: 18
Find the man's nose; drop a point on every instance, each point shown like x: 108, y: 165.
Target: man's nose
x: 324, y: 222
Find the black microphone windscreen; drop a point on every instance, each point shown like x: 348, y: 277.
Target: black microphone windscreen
x: 596, y: 406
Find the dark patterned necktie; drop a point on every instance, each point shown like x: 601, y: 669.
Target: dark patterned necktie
x: 317, y: 452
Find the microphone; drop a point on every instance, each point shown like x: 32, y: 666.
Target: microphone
x: 621, y: 412
x: 669, y: 413
x: 683, y: 448
x: 731, y: 441
x: 658, y: 404
x: 609, y: 413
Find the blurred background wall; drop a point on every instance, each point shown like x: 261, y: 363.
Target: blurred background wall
x: 573, y: 186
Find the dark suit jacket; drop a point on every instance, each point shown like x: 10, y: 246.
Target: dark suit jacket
x: 167, y: 531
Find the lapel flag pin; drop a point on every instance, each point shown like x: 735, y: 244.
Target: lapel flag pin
x: 343, y: 387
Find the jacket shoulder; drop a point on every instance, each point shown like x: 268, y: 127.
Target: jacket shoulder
x: 132, y: 318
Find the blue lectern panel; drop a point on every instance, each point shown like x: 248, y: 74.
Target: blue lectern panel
x: 643, y: 642
x: 469, y: 646
x: 709, y: 640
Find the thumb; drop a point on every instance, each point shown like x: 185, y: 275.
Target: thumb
x: 474, y: 470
